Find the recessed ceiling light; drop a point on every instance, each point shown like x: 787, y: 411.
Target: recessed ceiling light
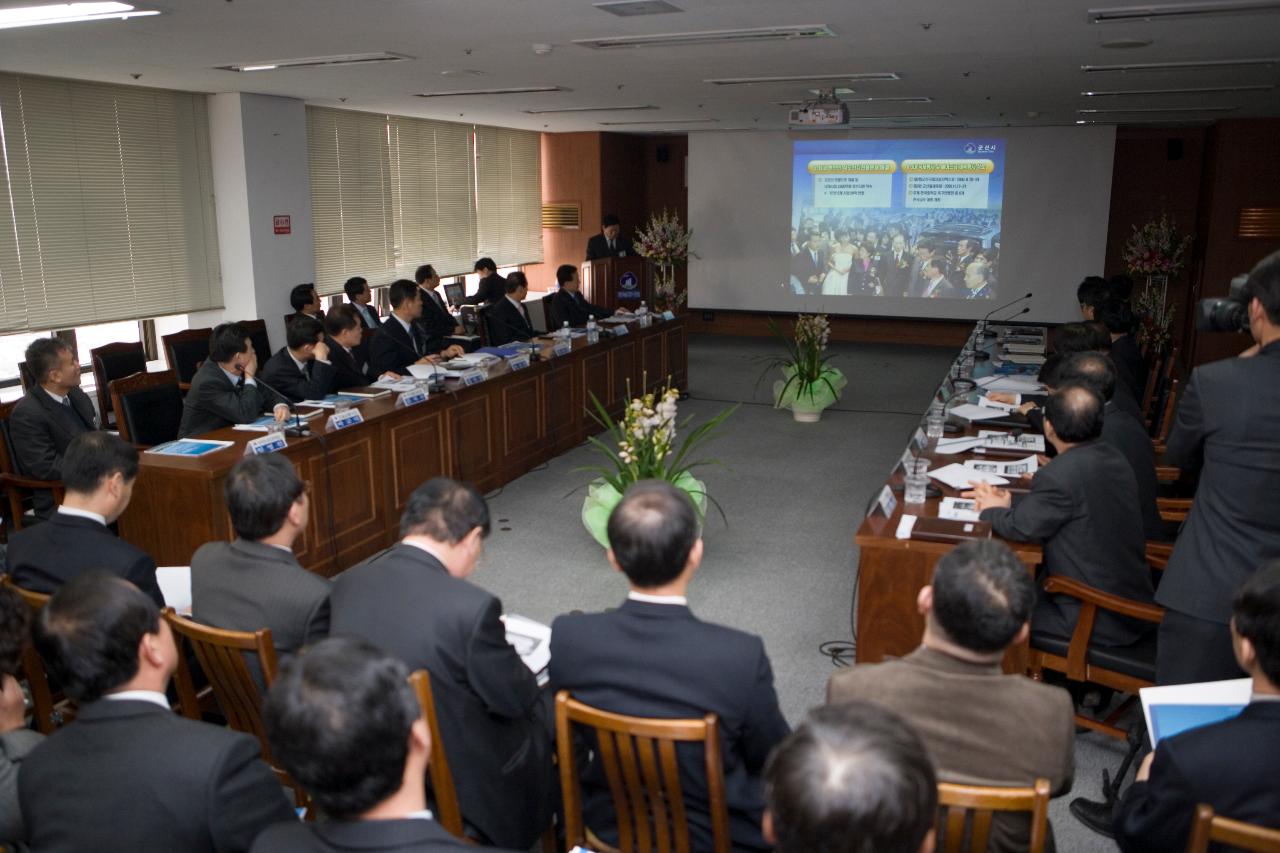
x: 1193, y: 90
x: 591, y: 109
x: 68, y: 13
x: 1166, y: 11
x: 632, y: 8
x: 746, y: 35
x: 318, y: 61
x: 518, y: 90
x: 1126, y: 44
x: 802, y: 78
x: 1181, y: 65
x: 1129, y: 110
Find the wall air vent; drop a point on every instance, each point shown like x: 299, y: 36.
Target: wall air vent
x: 562, y: 215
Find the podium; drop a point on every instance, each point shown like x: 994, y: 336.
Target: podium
x: 617, y: 282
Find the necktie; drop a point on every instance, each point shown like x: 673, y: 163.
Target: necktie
x: 419, y: 346
x: 525, y: 312
x: 610, y: 245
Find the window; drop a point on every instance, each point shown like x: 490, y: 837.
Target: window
x: 508, y: 195
x: 106, y: 204
x: 89, y: 338
x: 13, y: 350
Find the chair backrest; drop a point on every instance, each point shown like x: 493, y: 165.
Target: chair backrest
x: 17, y: 487
x: 553, y: 318
x: 482, y: 325
x: 539, y: 318
x: 114, y: 361
x: 446, y: 808
x: 185, y: 350
x: 638, y: 756
x: 1207, y: 828
x: 44, y: 703
x: 1165, y: 423
x: 148, y: 407
x: 25, y: 377
x: 8, y: 461
x: 257, y: 330
x: 965, y: 814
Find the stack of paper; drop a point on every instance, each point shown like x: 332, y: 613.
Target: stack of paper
x: 397, y: 385
x: 261, y: 424
x: 949, y: 446
x: 958, y: 509
x: 1015, y: 468
x: 1025, y: 349
x: 1011, y: 384
x: 1030, y: 442
x: 970, y: 412
x: 959, y: 477
x: 1023, y: 358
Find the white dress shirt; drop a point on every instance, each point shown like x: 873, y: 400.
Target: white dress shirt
x: 82, y: 513
x: 140, y: 696
x: 681, y: 600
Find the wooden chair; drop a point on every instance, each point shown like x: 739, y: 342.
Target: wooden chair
x: 446, y: 808
x: 51, y: 709
x: 965, y: 813
x: 18, y: 488
x: 25, y: 377
x: 638, y: 757
x: 1174, y: 509
x: 224, y: 657
x: 185, y: 351
x: 114, y: 361
x: 148, y: 407
x: 1155, y: 373
x: 1165, y: 425
x: 1207, y: 828
x: 554, y: 320
x: 1124, y: 668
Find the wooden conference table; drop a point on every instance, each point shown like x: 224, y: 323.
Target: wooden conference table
x: 891, y: 571
x: 360, y: 478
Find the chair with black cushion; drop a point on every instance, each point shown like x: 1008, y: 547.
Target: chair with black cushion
x: 480, y: 314
x: 25, y: 377
x: 257, y: 330
x: 148, y: 406
x: 1123, y: 668
x: 17, y: 487
x: 554, y: 320
x: 114, y: 361
x: 185, y: 351
x: 50, y: 708
x: 965, y: 814
x: 1208, y: 828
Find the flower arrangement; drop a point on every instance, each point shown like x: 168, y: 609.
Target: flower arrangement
x: 810, y: 384
x: 1155, y: 318
x: 665, y: 243
x: 1156, y: 248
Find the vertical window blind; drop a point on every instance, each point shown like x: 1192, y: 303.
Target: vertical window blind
x: 106, y: 204
x: 390, y: 192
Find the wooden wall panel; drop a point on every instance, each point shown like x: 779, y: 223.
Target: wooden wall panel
x: 651, y: 363
x: 570, y: 172
x: 622, y: 180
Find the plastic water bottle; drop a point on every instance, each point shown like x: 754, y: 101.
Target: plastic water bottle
x: 593, y: 330
x: 564, y: 331
x: 642, y: 314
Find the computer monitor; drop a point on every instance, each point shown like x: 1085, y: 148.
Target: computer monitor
x: 454, y: 293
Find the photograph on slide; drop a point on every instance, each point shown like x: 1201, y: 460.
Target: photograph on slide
x: 896, y: 217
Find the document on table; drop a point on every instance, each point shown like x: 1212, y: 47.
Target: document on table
x: 431, y: 371
x: 615, y: 319
x: 1030, y: 442
x: 397, y: 385
x: 1175, y: 708
x: 958, y: 509
x: 1023, y: 358
x: 959, y: 477
x: 949, y: 446
x: 188, y: 447
x: 970, y: 412
x: 1011, y: 384
x: 175, y: 586
x: 532, y: 641
x: 261, y: 424
x: 1024, y: 349
x: 1014, y: 469
x: 331, y: 400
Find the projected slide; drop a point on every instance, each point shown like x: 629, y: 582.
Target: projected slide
x: 896, y: 217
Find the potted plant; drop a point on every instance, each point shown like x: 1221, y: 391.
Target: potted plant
x: 665, y: 243
x: 809, y: 383
x: 642, y: 446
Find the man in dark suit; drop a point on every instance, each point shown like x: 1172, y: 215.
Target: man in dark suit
x: 569, y: 305
x: 17, y: 738
x: 1091, y: 292
x: 401, y: 342
x: 49, y: 415
x: 1228, y: 427
x: 254, y: 581
x: 1092, y: 336
x: 98, y: 471
x: 349, y: 359
x: 345, y: 723
x: 508, y: 319
x: 895, y: 267
x: 1230, y: 766
x: 128, y: 773
x: 1083, y: 507
x: 305, y: 301
x: 936, y: 285
x: 652, y: 658
x: 413, y: 601
x: 809, y: 266
x: 610, y: 242
x: 301, y: 370
x: 435, y: 320
x: 224, y: 391
x: 492, y: 286
x: 924, y: 252
x: 981, y: 726
x: 1131, y: 369
x: 361, y: 299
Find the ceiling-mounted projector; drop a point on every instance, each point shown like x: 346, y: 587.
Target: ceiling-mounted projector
x: 826, y: 110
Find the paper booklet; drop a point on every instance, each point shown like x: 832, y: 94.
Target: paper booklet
x: 958, y: 509
x: 959, y: 477
x: 1173, y: 709
x: 1031, y: 442
x: 175, y: 586
x: 532, y: 641
x: 970, y: 412
x: 1012, y: 469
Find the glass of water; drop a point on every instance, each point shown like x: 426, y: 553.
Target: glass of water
x: 934, y: 421
x: 340, y: 406
x: 917, y: 483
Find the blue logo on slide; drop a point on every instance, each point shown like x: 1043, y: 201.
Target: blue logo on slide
x: 628, y: 281
x: 970, y: 148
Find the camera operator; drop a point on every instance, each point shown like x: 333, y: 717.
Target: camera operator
x: 1228, y: 426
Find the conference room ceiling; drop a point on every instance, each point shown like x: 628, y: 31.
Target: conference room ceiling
x: 982, y: 63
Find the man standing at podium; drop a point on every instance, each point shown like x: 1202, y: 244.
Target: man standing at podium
x: 609, y: 243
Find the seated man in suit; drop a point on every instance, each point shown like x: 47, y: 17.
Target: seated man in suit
x: 128, y: 773
x: 492, y: 286
x: 345, y: 723
x: 1119, y: 321
x: 306, y: 301
x: 610, y: 242
x: 1083, y: 507
x: 413, y: 600
x: 508, y: 319
x: 301, y: 370
x: 569, y: 305
x: 1231, y: 765
x: 17, y: 739
x: 350, y: 363
x: 852, y: 778
x: 99, y: 470
x: 436, y: 321
x: 652, y: 658
x: 1070, y: 338
x: 224, y: 392
x: 1091, y: 291
x: 49, y: 415
x: 401, y: 342
x: 981, y: 726
x: 360, y: 296
x: 254, y: 581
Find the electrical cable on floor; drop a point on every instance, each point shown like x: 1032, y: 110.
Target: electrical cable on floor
x: 842, y: 652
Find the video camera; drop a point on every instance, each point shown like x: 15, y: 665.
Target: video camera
x: 1225, y: 315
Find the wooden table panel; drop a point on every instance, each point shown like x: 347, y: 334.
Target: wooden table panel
x: 676, y: 350
x: 652, y: 367
x: 418, y: 450
x: 348, y: 513
x: 523, y: 427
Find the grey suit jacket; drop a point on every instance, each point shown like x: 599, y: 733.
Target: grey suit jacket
x: 1126, y: 433
x: 14, y: 747
x: 980, y: 726
x: 1228, y: 425
x: 40, y: 435
x: 244, y: 586
x: 214, y: 401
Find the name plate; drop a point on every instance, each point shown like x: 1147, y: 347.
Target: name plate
x: 411, y: 398
x: 342, y: 420
x: 920, y: 439
x: 668, y: 315
x: 518, y: 362
x: 620, y: 329
x: 269, y: 443
x: 562, y: 348
x: 474, y: 377
x: 885, y: 503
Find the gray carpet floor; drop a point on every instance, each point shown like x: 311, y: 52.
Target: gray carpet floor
x: 783, y: 565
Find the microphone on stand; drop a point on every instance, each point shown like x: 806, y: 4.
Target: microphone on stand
x: 982, y: 355
x: 1026, y: 310
x: 1002, y: 307
x: 299, y: 429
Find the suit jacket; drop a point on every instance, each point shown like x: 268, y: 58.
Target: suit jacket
x: 1126, y: 434
x: 493, y: 718
x: 281, y: 373
x: 40, y: 431
x: 214, y: 401
x: 981, y: 727
x: 1083, y: 507
x: 365, y: 320
x: 45, y: 556
x: 803, y: 266
x: 436, y: 322
x: 508, y: 323
x: 1125, y: 401
x: 944, y: 290
x: 658, y: 660
x: 128, y: 775
x: 896, y: 279
x: 492, y: 288
x: 1227, y: 425
x: 245, y: 585
x: 393, y: 349
x: 1229, y: 765
x: 14, y: 748
x: 1130, y: 367
x: 598, y: 247
x: 412, y: 835
x: 350, y: 369
x: 572, y: 307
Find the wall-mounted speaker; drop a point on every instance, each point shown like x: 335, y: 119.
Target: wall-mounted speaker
x: 663, y: 153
